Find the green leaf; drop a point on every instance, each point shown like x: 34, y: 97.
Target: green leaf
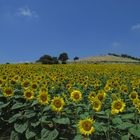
x: 14, y: 117
x: 128, y: 116
x: 18, y: 96
x: 34, y: 124
x: 30, y: 134
x: 125, y: 125
x: 125, y: 137
x: 84, y: 115
x: 135, y: 131
x: 1, y: 103
x: 100, y: 113
x: 21, y: 127
x: 46, y: 108
x: 52, y: 135
x: 18, y: 105
x: 14, y: 136
x: 1, y: 95
x: 29, y: 114
x: 78, y: 137
x: 116, y: 120
x: 62, y: 120
x: 44, y: 133
x: 35, y: 102
x: 48, y: 135
x: 100, y: 127
x: 4, y: 105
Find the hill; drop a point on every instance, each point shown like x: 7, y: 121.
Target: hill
x: 107, y: 59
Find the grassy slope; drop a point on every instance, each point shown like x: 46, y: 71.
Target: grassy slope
x: 106, y: 58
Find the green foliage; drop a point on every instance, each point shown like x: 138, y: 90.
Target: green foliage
x: 63, y: 57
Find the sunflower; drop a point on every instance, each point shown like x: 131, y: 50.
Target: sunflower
x: 133, y: 95
x: 34, y: 86
x: 43, y: 97
x: 76, y: 96
x: 107, y: 88
x: 101, y: 95
x: 136, y: 101
x: 96, y: 103
x: 28, y: 94
x: 124, y: 89
x: 117, y: 106
x: 91, y: 95
x: 57, y: 104
x: 86, y: 126
x: 138, y: 107
x: 8, y: 91
x: 26, y: 83
x: 44, y: 89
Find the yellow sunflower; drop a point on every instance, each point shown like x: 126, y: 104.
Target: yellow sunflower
x: 138, y: 107
x: 34, y: 86
x: 26, y: 84
x: 57, y: 104
x: 43, y: 97
x: 101, y: 95
x: 107, y: 88
x: 8, y: 91
x: 117, y: 106
x: 133, y: 95
x: 28, y: 94
x: 136, y: 101
x: 91, y: 95
x: 76, y: 96
x: 96, y: 103
x: 86, y: 126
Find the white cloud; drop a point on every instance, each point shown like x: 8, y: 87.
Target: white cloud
x: 136, y: 27
x: 27, y: 12
x: 115, y: 44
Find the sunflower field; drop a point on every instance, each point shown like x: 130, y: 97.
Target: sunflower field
x: 70, y: 102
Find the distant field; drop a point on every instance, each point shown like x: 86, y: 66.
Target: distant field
x: 107, y: 59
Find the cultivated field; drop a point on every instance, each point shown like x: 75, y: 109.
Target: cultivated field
x: 107, y: 59
x: 70, y: 102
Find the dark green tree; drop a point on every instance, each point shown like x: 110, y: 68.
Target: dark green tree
x: 45, y: 59
x: 76, y: 58
x: 63, y: 57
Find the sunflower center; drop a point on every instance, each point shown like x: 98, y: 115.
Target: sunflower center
x: 95, y: 104
x: 43, y: 98
x: 76, y: 96
x: 8, y: 91
x: 28, y: 94
x: 100, y: 97
x: 118, y: 105
x: 86, y: 126
x: 0, y: 82
x: 133, y: 96
x: 26, y: 84
x: 34, y: 86
x: 57, y: 103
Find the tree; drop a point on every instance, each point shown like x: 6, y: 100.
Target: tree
x: 45, y: 59
x: 76, y: 58
x: 63, y: 57
x: 55, y: 60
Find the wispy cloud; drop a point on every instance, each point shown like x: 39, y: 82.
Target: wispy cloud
x: 115, y: 44
x: 27, y: 12
x: 136, y: 27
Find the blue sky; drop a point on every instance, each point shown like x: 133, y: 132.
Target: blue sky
x: 31, y: 28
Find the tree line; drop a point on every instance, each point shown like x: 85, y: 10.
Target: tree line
x: 48, y: 59
x: 124, y: 56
